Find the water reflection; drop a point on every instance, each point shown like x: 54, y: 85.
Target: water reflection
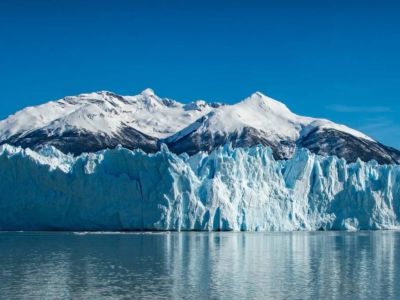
x: 200, y: 265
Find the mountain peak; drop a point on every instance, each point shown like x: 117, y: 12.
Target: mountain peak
x: 148, y: 92
x: 257, y: 94
x: 266, y: 103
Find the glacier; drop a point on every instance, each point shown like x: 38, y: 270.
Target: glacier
x: 241, y: 189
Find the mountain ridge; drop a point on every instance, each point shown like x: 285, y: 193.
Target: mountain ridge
x: 93, y: 121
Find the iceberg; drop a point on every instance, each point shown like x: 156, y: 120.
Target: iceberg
x: 241, y: 189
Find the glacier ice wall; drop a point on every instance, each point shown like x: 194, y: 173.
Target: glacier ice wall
x: 228, y: 189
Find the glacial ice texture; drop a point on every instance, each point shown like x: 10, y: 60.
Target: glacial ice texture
x: 228, y: 189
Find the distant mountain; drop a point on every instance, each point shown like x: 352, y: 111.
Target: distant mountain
x: 91, y: 122
x: 261, y: 120
x: 94, y: 121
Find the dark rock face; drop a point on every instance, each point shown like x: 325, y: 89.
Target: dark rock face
x: 77, y: 142
x: 194, y: 142
x: 344, y: 145
x: 323, y: 142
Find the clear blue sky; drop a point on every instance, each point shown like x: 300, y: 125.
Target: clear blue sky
x: 334, y: 59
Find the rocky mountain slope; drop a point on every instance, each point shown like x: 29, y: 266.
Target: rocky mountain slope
x: 95, y: 121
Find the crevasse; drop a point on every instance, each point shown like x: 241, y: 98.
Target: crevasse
x: 227, y: 189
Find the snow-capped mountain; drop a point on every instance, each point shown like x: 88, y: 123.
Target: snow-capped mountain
x: 94, y: 121
x: 261, y: 120
x: 91, y: 122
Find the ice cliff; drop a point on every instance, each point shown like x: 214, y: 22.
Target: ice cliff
x: 228, y: 189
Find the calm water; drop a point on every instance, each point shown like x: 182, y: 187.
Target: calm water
x: 362, y: 265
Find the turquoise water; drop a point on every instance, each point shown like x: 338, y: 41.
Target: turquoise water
x: 299, y: 265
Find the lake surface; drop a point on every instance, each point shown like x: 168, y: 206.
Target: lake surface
x: 197, y: 265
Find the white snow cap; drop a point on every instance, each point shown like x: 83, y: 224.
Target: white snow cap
x: 270, y: 116
x: 106, y: 113
x: 148, y: 92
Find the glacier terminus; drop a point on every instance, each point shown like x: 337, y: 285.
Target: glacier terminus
x: 239, y: 189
